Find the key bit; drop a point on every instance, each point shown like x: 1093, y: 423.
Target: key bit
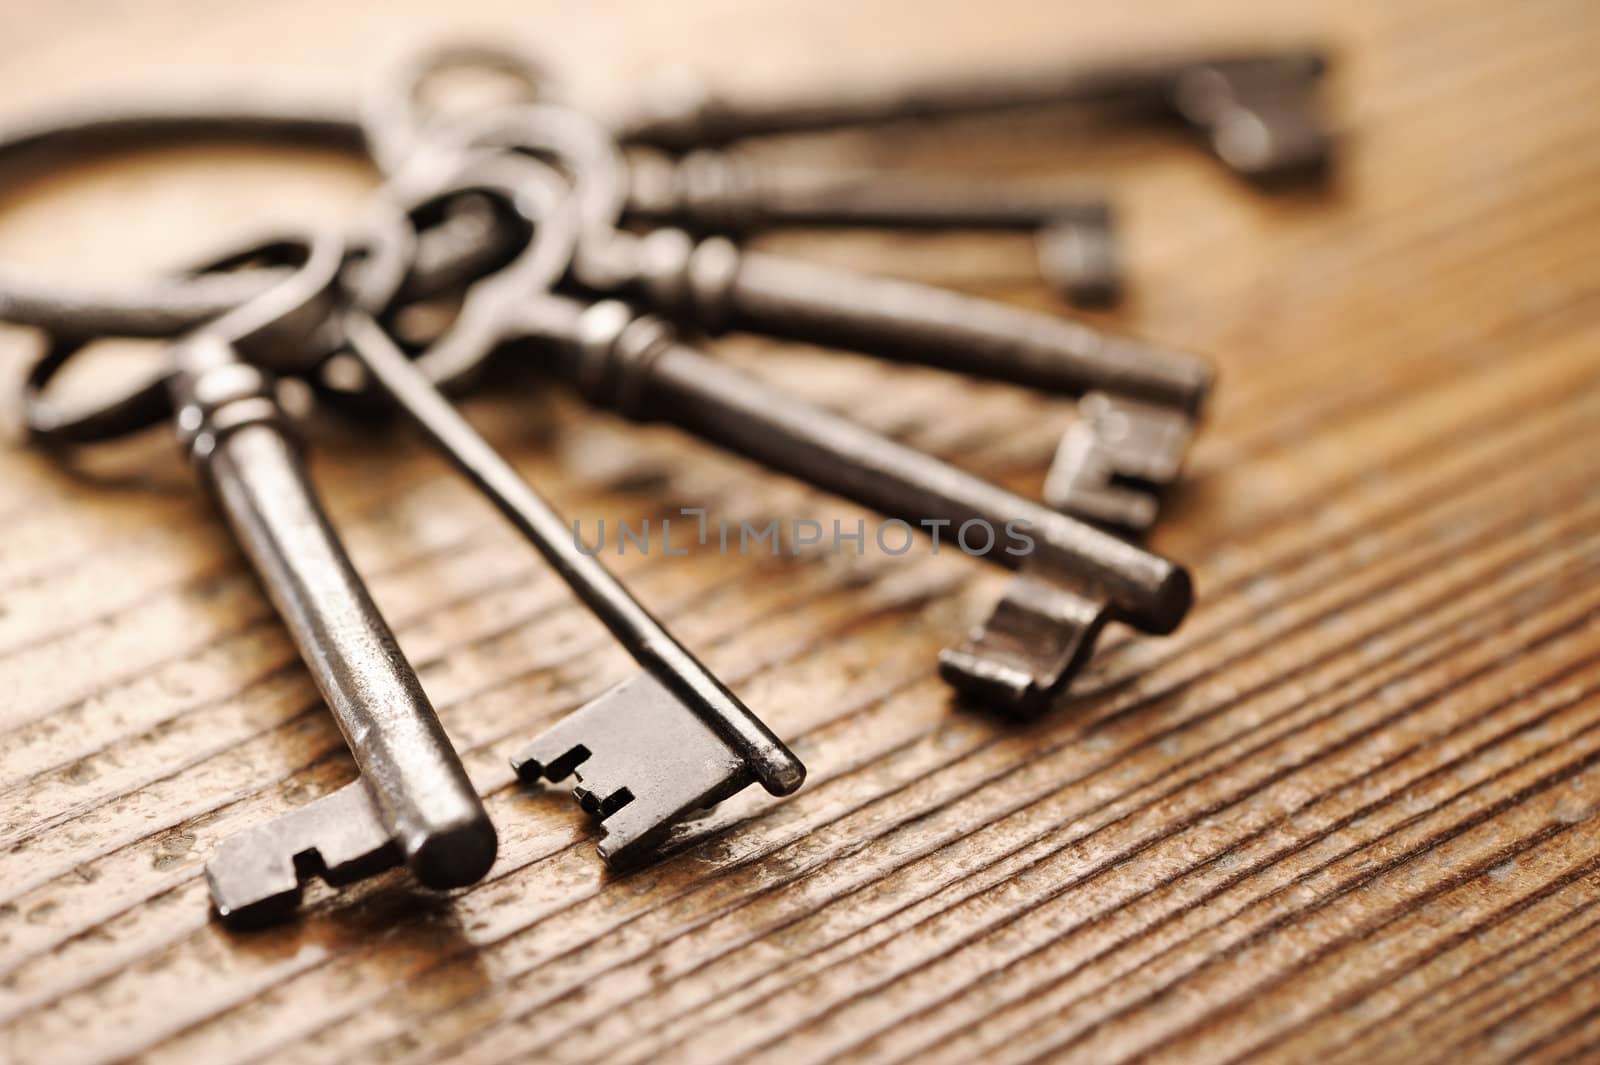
x: 413, y: 803
x: 643, y: 762
x: 651, y: 750
x: 1078, y: 258
x: 1114, y: 463
x: 732, y: 191
x: 1036, y: 639
x: 255, y: 875
x: 1260, y: 119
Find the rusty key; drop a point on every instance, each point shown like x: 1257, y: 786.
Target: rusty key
x: 413, y: 802
x: 1256, y: 112
x: 657, y: 747
x: 1070, y: 583
x: 714, y: 285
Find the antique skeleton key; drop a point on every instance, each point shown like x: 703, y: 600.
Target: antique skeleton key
x: 1072, y: 580
x: 734, y: 191
x: 413, y: 802
x: 1255, y: 112
x: 714, y: 285
x: 659, y: 746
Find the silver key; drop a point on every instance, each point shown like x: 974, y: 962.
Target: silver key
x: 413, y: 802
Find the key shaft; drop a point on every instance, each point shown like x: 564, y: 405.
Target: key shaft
x: 244, y: 451
x: 1256, y: 112
x: 655, y: 649
x: 730, y: 190
x: 716, y: 286
x: 634, y: 365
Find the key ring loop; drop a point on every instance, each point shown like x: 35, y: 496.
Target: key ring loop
x: 171, y: 305
x: 572, y: 140
x: 392, y: 115
x: 297, y: 302
x: 539, y: 196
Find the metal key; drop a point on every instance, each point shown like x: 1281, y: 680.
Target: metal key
x: 653, y: 749
x: 733, y: 191
x: 1073, y: 580
x: 715, y: 286
x: 413, y: 802
x: 1255, y: 112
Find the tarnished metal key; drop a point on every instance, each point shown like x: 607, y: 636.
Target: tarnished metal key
x: 654, y: 748
x: 1071, y: 581
x: 1255, y: 112
x: 1115, y: 462
x: 734, y: 191
x: 714, y: 285
x: 413, y: 802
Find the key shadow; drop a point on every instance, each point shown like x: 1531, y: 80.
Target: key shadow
x: 385, y: 929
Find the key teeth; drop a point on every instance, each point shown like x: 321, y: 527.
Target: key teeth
x: 646, y: 762
x: 257, y: 876
x: 1115, y: 463
x: 602, y: 806
x: 530, y: 766
x: 1034, y: 642
x: 247, y: 898
x: 1078, y: 258
x: 630, y: 843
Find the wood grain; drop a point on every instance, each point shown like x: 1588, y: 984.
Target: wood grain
x: 1345, y: 814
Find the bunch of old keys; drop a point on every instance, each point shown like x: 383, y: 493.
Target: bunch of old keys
x: 596, y: 247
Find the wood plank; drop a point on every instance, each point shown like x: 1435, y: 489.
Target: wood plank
x: 1345, y: 814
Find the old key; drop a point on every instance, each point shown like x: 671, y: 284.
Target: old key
x: 657, y: 747
x: 734, y: 191
x: 1255, y: 112
x: 412, y: 802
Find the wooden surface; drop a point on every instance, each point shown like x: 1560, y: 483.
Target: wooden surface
x: 1345, y: 814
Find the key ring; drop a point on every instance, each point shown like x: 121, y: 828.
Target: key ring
x: 390, y: 245
x: 171, y: 305
x: 294, y: 305
x: 392, y: 116
x: 71, y: 316
x: 539, y: 196
x: 399, y: 137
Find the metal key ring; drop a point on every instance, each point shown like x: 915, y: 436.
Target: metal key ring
x: 575, y: 141
x: 539, y: 196
x: 392, y: 115
x: 287, y: 312
x: 173, y: 304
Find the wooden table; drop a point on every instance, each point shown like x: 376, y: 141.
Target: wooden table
x: 1345, y: 814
